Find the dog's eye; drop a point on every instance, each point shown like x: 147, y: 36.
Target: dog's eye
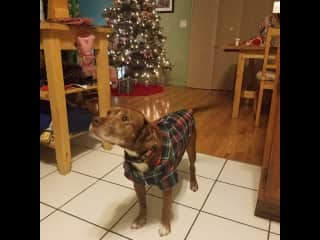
x: 108, y: 112
x: 124, y: 118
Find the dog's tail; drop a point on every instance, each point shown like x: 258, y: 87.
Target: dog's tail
x: 198, y: 109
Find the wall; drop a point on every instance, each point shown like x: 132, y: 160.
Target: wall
x: 231, y: 19
x: 224, y: 67
x: 202, y: 36
x: 177, y: 44
x: 253, y: 13
x: 237, y: 18
x: 94, y: 9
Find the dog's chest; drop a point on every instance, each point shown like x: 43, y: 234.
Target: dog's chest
x: 141, y: 167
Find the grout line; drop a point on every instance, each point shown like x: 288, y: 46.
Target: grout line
x: 205, y: 201
x: 183, y: 171
x: 269, y: 227
x: 48, y: 215
x: 86, y: 153
x: 120, y: 185
x: 213, y: 185
x: 232, y: 220
x: 48, y: 205
x: 72, y: 161
x: 82, y: 219
x: 275, y: 233
x: 186, y: 172
x: 98, y: 179
x: 108, y: 181
x: 181, y: 204
x: 83, y: 190
x: 178, y: 203
x: 115, y: 154
x: 84, y: 174
x: 212, y: 179
x: 237, y: 185
x: 136, y: 202
x: 129, y: 209
x: 271, y: 231
x: 53, y: 171
x: 216, y: 179
x: 120, y: 235
x: 123, y: 236
x: 111, y: 170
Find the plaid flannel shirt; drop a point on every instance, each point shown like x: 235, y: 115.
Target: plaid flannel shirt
x: 175, y: 129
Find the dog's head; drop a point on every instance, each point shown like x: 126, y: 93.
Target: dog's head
x: 123, y: 126
x: 129, y: 129
x: 120, y: 126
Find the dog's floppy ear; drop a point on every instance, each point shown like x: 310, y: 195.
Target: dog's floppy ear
x: 147, y: 138
x: 143, y: 133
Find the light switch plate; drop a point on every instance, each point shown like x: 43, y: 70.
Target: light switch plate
x: 183, y: 23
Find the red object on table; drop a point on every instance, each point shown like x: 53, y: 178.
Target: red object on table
x: 255, y: 41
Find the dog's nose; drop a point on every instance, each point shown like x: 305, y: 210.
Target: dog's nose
x: 96, y: 121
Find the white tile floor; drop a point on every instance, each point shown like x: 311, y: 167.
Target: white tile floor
x: 96, y: 202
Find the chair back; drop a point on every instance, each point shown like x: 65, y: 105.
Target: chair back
x: 272, y: 45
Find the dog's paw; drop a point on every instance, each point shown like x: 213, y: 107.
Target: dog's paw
x: 164, y: 230
x: 194, y: 186
x: 139, y: 223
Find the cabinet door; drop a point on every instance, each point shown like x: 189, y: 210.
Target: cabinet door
x: 268, y: 205
x: 273, y: 176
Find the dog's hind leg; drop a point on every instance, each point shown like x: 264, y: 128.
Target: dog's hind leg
x: 191, y: 150
x: 141, y: 220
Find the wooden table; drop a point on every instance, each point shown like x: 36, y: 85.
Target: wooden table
x: 244, y: 53
x: 55, y: 37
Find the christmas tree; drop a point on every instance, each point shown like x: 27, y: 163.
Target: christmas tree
x: 136, y: 41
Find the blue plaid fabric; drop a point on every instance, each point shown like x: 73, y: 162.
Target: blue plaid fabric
x: 175, y: 129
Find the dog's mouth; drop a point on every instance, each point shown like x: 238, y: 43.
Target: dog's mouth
x: 95, y: 133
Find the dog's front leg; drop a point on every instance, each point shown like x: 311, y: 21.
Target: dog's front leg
x: 141, y: 220
x: 165, y: 227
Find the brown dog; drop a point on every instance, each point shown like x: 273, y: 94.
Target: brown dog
x: 152, y: 152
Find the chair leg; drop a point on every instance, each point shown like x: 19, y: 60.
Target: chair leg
x: 259, y: 104
x: 255, y: 105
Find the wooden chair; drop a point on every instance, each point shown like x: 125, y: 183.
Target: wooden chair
x: 267, y: 75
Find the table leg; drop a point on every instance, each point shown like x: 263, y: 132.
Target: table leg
x: 58, y: 106
x: 103, y: 76
x: 238, y: 86
x: 103, y: 81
